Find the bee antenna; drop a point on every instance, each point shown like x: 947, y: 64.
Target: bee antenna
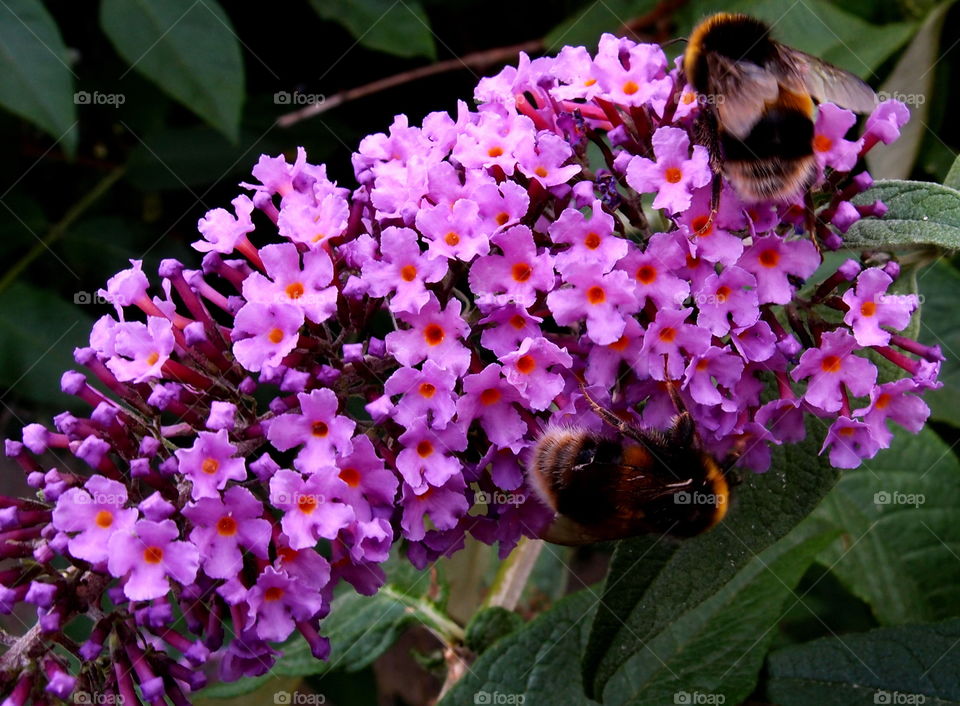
x: 674, y: 41
x: 605, y: 414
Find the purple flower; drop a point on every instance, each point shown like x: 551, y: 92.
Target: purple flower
x: 434, y: 336
x: 453, y: 231
x: 674, y: 173
x: 850, y: 442
x: 444, y: 505
x: 544, y: 161
x: 771, y: 259
x: 602, y: 299
x: 871, y: 307
x: 528, y: 369
x: 506, y: 327
x: 829, y: 146
x: 265, y: 333
x: 322, y: 432
x: 403, y: 270
x: 429, y: 455
x: 832, y: 366
x: 885, y: 122
x: 221, y: 230
x: 149, y: 553
x: 363, y: 479
x: 276, y: 602
x: 140, y: 350
x: 426, y: 395
x: 652, y: 272
x: 489, y: 397
x: 223, y: 527
x: 96, y: 514
x: 210, y: 464
x: 669, y: 340
x: 714, y: 364
x: 308, y: 513
x: 515, y: 276
x: 731, y: 295
x: 308, y: 288
x: 591, y: 240
x: 898, y: 401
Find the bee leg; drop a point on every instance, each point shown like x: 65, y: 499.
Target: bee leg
x: 684, y: 431
x: 716, y: 187
x: 621, y: 425
x: 810, y: 217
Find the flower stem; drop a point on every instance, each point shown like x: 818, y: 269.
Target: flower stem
x: 513, y: 573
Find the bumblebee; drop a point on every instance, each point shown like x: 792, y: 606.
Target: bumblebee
x: 757, y: 98
x: 640, y: 482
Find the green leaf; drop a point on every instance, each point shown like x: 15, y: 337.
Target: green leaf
x: 189, y: 49
x: 911, y: 664
x: 593, y: 19
x: 900, y: 514
x: 940, y: 325
x: 817, y: 27
x: 36, y: 82
x: 398, y: 28
x: 911, y: 82
x: 489, y: 625
x: 921, y: 214
x: 38, y: 332
x: 539, y: 662
x: 764, y: 509
x: 953, y: 176
x: 719, y: 647
x: 361, y: 628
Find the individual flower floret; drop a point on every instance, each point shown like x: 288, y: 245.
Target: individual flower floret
x: 674, y: 173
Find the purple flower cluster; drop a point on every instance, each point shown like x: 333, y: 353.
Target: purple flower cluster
x: 346, y: 371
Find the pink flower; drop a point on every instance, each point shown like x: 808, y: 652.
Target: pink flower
x: 489, y: 398
x: 223, y: 527
x: 427, y: 394
x: 515, y: 276
x: 95, y: 514
x: 591, y: 240
x: 871, y: 307
x: 532, y: 370
x: 403, y: 271
x: 832, y: 366
x: 309, y: 289
x: 829, y: 146
x: 850, y: 442
x: 674, y: 173
x: 264, y: 334
x: 322, y: 432
x: 210, y: 464
x: 222, y: 231
x: 141, y: 350
x: 147, y: 555
x: 434, y: 336
x: 308, y: 512
x: 602, y: 299
x: 771, y: 259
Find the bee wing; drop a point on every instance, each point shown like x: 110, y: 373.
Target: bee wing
x: 829, y: 83
x: 743, y: 89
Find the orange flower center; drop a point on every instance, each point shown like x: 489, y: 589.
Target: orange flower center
x: 589, y: 82
x: 621, y: 343
x: 703, y: 364
x: 427, y: 390
x: 295, y: 290
x: 275, y: 336
x: 306, y: 504
x: 830, y: 364
x: 722, y: 293
x: 540, y: 172
x: 517, y: 321
x: 424, y: 449
x: 319, y: 429
x: 596, y: 295
x: 153, y: 555
x: 847, y: 431
x: 496, y: 151
x: 408, y: 273
x: 274, y: 593
x: 451, y: 239
x: 769, y: 258
x: 698, y: 225
x: 502, y: 218
x: 521, y: 272
x: 822, y: 143
x: 647, y: 274
x: 350, y: 476
x: 592, y: 241
x: 668, y: 334
x: 688, y: 98
x: 630, y: 87
x: 210, y: 466
x: 673, y: 175
x: 526, y: 364
x: 287, y: 554
x: 490, y: 396
x: 153, y: 358
x: 103, y: 519
x: 226, y: 526
x: 868, y: 308
x: 433, y: 334
x: 882, y: 401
